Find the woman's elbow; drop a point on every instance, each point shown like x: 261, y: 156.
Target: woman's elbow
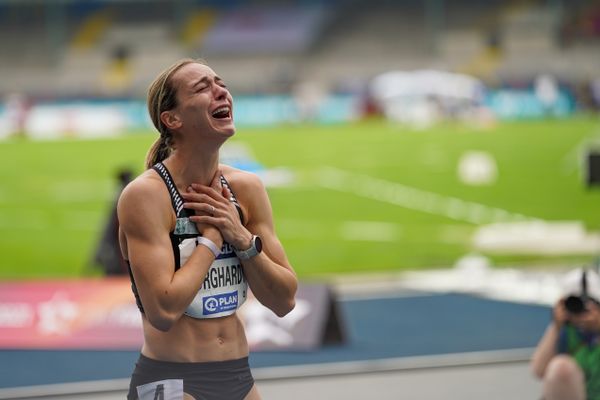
x: 162, y: 321
x: 536, y: 370
x: 285, y: 308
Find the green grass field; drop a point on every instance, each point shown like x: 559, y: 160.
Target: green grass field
x: 56, y: 195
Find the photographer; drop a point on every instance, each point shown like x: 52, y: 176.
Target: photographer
x: 567, y: 357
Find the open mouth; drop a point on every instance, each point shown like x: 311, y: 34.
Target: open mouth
x: 221, y: 113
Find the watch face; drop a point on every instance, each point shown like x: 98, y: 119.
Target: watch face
x: 258, y: 244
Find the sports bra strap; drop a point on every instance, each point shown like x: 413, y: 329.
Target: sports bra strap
x: 233, y: 199
x: 176, y: 199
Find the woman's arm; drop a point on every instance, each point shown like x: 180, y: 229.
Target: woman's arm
x: 269, y: 274
x: 145, y: 219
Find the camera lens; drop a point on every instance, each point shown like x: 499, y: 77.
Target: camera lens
x: 574, y: 304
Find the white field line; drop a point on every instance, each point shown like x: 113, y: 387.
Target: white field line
x: 81, y: 191
x: 375, y: 231
x: 414, y: 199
x: 20, y: 220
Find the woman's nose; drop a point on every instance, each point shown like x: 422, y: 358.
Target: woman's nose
x: 220, y: 92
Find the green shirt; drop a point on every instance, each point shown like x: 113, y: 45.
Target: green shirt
x: 585, y: 349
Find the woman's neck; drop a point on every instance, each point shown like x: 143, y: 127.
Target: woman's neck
x: 189, y: 167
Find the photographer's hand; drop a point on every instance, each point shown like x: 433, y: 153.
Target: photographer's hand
x: 560, y: 315
x: 589, y: 320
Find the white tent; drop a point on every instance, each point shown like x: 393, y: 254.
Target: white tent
x: 423, y: 96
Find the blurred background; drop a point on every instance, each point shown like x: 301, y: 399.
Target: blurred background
x: 436, y: 146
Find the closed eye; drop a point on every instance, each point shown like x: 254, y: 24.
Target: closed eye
x: 220, y: 82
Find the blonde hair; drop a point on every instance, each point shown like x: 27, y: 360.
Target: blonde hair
x: 162, y: 96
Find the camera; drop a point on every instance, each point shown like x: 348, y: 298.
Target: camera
x: 581, y: 287
x: 575, y: 304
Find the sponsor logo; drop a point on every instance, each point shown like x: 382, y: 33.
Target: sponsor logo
x: 183, y: 226
x: 221, y: 276
x: 220, y: 303
x: 227, y: 250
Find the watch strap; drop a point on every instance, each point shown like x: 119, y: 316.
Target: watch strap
x: 248, y: 253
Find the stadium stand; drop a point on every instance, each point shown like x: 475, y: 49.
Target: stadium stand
x: 271, y: 53
x: 112, y: 49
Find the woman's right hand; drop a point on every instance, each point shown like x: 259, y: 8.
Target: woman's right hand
x: 212, y: 233
x: 208, y: 231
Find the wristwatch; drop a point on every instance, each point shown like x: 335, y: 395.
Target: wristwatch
x: 255, y: 249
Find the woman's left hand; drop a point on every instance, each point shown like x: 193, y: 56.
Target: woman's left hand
x: 214, y: 201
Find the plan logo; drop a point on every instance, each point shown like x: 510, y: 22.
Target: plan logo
x: 220, y: 303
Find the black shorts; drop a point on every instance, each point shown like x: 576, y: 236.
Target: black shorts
x: 215, y: 380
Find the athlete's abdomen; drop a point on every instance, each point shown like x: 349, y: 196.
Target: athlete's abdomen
x: 197, y: 340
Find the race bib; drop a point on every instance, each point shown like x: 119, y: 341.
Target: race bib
x: 168, y: 389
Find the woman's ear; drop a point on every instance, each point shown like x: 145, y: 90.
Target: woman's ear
x: 170, y: 119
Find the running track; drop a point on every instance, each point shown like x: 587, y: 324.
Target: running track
x: 390, y: 332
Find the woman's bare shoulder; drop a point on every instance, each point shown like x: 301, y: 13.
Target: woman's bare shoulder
x: 146, y: 193
x: 241, y: 179
x: 249, y: 191
x: 146, y: 184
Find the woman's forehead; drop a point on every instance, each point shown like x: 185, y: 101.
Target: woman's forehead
x: 190, y: 73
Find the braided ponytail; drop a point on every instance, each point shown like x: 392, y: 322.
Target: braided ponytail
x: 157, y: 152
